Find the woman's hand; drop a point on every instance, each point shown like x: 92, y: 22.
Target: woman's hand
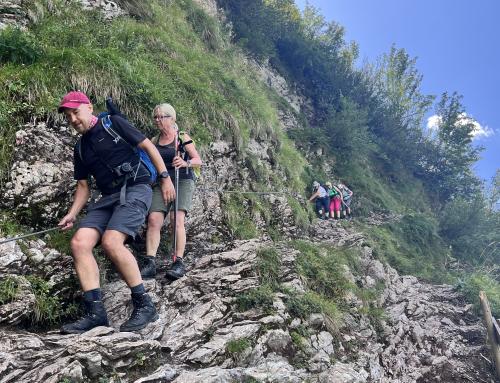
x: 178, y: 162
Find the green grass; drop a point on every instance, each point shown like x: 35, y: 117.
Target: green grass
x: 482, y: 280
x: 260, y: 297
x: 322, y: 268
x: 176, y: 54
x: 411, y: 245
x: 9, y: 288
x: 49, y: 308
x: 236, y: 346
x: 268, y: 265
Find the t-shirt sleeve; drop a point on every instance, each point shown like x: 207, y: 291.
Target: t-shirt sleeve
x: 127, y: 131
x: 80, y: 171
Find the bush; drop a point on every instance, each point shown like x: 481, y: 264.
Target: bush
x: 269, y: 266
x: 8, y: 290
x: 482, y: 281
x: 260, y: 297
x: 18, y: 47
x: 322, y: 270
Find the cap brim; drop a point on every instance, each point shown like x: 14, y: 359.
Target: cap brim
x: 69, y: 105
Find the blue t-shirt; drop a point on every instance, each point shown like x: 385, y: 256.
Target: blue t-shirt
x: 101, y: 154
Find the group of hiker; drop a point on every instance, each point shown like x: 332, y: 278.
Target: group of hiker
x: 332, y: 201
x: 136, y: 178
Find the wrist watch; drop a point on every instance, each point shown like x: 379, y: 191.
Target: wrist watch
x: 163, y: 174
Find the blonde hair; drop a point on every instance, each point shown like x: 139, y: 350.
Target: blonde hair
x: 167, y: 109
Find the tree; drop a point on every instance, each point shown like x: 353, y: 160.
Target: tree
x: 449, y: 164
x: 395, y: 83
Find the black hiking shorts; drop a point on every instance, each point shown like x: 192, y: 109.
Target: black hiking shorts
x: 108, y: 214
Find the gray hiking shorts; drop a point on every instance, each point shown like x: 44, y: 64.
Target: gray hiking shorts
x: 108, y: 214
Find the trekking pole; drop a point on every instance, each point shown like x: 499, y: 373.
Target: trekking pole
x: 176, y: 202
x: 28, y: 235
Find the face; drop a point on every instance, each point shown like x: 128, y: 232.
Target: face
x: 79, y: 118
x: 163, y: 121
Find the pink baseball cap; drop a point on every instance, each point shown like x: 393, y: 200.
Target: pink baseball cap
x: 73, y: 100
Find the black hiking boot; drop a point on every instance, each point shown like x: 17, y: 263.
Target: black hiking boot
x: 177, y: 270
x: 147, y: 266
x: 95, y: 315
x: 144, y: 313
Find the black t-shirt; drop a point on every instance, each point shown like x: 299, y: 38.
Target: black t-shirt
x: 101, y: 154
x: 167, y: 152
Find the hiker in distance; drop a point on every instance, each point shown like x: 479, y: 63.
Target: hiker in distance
x: 180, y: 155
x: 109, y: 150
x: 321, y: 199
x: 335, y: 200
x: 346, y: 199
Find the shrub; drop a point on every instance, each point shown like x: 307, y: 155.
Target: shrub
x: 260, y: 297
x: 236, y: 346
x: 18, y: 47
x: 8, y: 290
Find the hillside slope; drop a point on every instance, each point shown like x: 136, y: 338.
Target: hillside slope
x: 271, y: 295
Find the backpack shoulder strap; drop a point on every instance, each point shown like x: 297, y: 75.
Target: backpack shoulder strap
x: 155, y: 139
x: 106, y: 123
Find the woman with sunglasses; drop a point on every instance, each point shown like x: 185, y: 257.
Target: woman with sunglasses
x: 183, y: 157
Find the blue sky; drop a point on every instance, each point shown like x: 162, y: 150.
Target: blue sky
x: 456, y: 45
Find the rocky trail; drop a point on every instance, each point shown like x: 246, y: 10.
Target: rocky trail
x: 428, y: 333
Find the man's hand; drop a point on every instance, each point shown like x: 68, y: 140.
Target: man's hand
x: 167, y: 190
x: 67, y: 222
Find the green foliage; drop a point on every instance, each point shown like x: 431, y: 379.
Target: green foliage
x: 61, y: 241
x: 411, y: 245
x: 322, y: 269
x: 240, y: 224
x: 450, y: 156
x: 9, y: 288
x: 260, y: 297
x: 471, y: 230
x: 236, y: 346
x: 49, y: 309
x: 482, y: 280
x: 302, y: 306
x: 268, y: 264
x: 18, y: 47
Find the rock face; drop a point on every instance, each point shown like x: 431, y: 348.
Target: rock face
x: 13, y: 13
x: 427, y: 334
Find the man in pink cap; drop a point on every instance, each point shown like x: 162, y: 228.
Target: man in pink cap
x: 124, y: 183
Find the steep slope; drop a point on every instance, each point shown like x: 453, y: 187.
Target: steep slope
x: 268, y: 297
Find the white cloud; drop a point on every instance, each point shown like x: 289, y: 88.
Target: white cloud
x: 478, y: 132
x: 433, y: 122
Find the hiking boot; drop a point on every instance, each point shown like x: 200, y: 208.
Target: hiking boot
x: 95, y: 315
x: 177, y: 270
x: 147, y: 266
x: 144, y: 313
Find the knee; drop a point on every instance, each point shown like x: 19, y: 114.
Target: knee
x: 180, y: 221
x: 155, y: 223
x: 80, y: 244
x: 109, y: 244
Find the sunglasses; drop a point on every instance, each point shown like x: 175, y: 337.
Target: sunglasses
x: 160, y: 117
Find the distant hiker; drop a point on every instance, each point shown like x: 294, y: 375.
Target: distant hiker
x: 183, y: 157
x: 321, y: 199
x: 109, y: 150
x: 346, y: 199
x: 335, y: 200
